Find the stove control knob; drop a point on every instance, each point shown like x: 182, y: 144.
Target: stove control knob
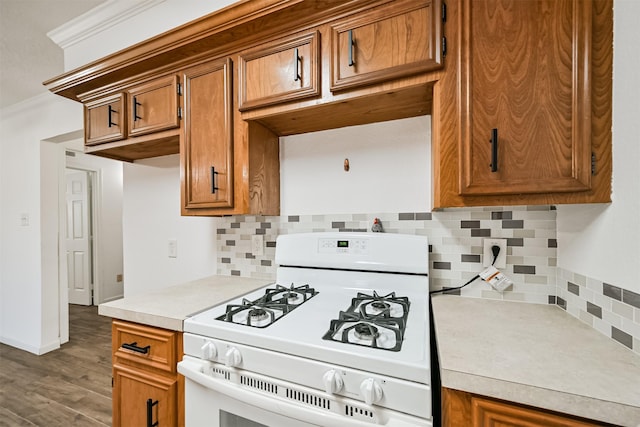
x: 332, y: 381
x: 209, y: 351
x: 232, y: 357
x: 371, y: 391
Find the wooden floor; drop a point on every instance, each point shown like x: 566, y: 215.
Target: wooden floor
x: 70, y: 386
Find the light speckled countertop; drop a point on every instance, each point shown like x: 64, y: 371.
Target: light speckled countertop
x: 536, y: 355
x: 168, y: 307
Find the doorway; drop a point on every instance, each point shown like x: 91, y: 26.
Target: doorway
x: 79, y: 236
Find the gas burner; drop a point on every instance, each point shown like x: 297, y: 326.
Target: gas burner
x: 364, y: 331
x: 258, y: 314
x: 369, y: 331
x: 376, y: 305
x: 293, y: 295
x: 271, y: 306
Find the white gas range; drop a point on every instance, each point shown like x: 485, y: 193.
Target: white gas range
x: 341, y: 339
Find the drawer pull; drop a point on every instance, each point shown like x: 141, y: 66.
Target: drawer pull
x: 213, y: 180
x: 494, y: 150
x: 351, y: 43
x: 136, y: 117
x: 150, y: 405
x: 297, y: 59
x: 111, y: 111
x: 134, y: 347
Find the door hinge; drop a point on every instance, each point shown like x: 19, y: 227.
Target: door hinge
x: 593, y: 164
x: 444, y: 46
x: 444, y: 12
x: 111, y: 382
x: 179, y: 112
x: 179, y: 88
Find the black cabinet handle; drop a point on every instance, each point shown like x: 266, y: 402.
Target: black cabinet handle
x: 213, y: 180
x: 298, y: 60
x: 351, y: 43
x: 135, y: 109
x: 494, y: 150
x: 150, y: 405
x: 134, y: 347
x: 111, y: 111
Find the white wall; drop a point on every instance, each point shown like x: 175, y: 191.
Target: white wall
x: 603, y: 241
x: 151, y: 219
x: 389, y: 169
x: 118, y: 24
x: 28, y: 303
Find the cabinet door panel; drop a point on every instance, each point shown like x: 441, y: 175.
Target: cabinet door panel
x: 385, y: 44
x: 490, y: 413
x: 105, y: 120
x: 153, y: 106
x: 132, y: 392
x: 283, y: 71
x: 207, y: 152
x: 525, y: 73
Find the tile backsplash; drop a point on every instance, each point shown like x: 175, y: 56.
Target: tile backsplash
x: 611, y: 310
x: 455, y: 237
x: 456, y: 243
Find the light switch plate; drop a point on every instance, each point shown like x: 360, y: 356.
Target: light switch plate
x: 173, y: 248
x: 487, y: 258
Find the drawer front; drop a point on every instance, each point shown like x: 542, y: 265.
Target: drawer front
x: 141, y: 345
x: 282, y: 71
x: 153, y: 106
x: 387, y: 43
x: 105, y: 120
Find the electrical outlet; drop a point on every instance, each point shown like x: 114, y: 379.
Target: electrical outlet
x: 487, y: 258
x: 257, y: 244
x: 173, y: 248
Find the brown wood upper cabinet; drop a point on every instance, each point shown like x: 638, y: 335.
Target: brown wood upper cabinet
x: 398, y: 40
x: 526, y: 75
x: 280, y: 71
x: 105, y: 120
x: 153, y: 105
x: 523, y: 112
x: 206, y: 153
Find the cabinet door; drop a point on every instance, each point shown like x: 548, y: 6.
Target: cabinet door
x: 143, y: 399
x: 398, y: 40
x: 281, y: 71
x: 153, y: 106
x: 105, y: 120
x: 207, y: 148
x: 525, y: 72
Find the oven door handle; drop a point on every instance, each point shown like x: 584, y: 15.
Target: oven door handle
x: 192, y: 371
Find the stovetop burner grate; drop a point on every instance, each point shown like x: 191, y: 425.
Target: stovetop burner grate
x: 372, y: 321
x: 274, y: 304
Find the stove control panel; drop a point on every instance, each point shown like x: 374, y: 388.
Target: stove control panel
x: 357, y: 246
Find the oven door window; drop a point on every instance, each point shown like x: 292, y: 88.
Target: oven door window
x: 232, y: 420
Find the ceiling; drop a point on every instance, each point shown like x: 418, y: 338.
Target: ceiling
x: 27, y: 56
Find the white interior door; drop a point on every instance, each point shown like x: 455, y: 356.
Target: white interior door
x: 79, y: 238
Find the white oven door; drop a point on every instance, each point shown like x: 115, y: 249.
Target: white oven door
x: 215, y: 402
x: 207, y: 407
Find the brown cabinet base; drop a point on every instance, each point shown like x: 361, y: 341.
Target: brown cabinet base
x: 462, y: 409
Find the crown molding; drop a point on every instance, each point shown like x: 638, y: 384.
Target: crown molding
x: 98, y: 19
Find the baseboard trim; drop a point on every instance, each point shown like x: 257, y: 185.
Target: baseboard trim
x: 37, y: 350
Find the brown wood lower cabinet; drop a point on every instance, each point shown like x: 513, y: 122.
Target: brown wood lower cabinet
x: 462, y: 409
x: 147, y: 390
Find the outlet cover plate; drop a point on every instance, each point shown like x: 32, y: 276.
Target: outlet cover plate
x: 501, y: 261
x: 257, y: 244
